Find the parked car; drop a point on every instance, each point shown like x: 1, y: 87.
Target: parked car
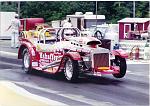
x: 65, y: 50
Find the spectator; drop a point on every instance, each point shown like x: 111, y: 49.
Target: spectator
x: 15, y: 24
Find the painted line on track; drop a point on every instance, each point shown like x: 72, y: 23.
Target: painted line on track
x: 73, y: 97
x: 15, y: 65
x: 8, y: 53
x: 138, y: 61
x: 137, y: 74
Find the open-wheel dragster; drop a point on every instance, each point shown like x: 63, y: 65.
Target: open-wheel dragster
x: 65, y: 50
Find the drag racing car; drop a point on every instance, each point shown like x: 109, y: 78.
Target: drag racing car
x: 66, y: 51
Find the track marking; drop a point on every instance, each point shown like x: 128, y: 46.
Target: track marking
x: 137, y: 74
x: 138, y: 61
x: 74, y: 97
x: 8, y: 53
x: 17, y: 65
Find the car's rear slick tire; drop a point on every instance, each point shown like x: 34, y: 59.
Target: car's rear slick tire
x: 121, y: 62
x: 71, y: 69
x: 26, y: 62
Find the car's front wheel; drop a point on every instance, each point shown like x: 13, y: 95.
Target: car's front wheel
x: 26, y: 61
x: 121, y: 62
x: 71, y: 69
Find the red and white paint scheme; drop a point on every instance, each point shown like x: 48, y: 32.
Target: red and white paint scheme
x: 65, y: 50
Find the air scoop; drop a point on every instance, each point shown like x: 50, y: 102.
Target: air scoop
x: 86, y: 40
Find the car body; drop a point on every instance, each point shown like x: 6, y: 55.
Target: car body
x: 65, y: 50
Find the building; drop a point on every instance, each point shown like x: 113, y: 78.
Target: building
x: 132, y: 24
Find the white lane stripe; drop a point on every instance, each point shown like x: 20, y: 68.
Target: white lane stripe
x: 83, y: 99
x: 17, y: 65
x: 138, y: 61
x: 23, y: 92
x: 137, y: 89
x: 8, y: 53
x: 74, y: 97
x: 137, y: 74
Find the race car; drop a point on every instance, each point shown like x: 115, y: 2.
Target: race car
x: 66, y: 51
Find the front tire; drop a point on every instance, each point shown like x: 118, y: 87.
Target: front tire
x: 26, y: 62
x: 121, y: 62
x: 71, y: 69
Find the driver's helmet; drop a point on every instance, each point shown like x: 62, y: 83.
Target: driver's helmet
x: 68, y: 34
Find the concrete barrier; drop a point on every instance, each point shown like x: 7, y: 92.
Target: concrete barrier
x: 130, y: 46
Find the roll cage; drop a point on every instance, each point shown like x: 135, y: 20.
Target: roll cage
x: 57, y: 34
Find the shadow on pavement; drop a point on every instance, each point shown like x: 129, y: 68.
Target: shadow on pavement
x: 82, y: 80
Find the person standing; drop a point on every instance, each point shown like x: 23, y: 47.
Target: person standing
x: 67, y: 24
x: 15, y: 24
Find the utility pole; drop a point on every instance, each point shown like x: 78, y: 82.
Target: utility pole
x: 149, y: 10
x: 19, y: 8
x: 96, y: 15
x: 133, y: 9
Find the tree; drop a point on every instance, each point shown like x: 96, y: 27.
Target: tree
x: 142, y: 9
x: 57, y: 10
x: 8, y: 6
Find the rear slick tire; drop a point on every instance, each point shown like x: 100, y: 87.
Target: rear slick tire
x: 26, y: 62
x: 71, y: 69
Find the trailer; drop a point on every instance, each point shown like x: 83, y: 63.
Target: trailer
x: 86, y: 20
x: 81, y: 21
x: 30, y: 23
x: 5, y: 22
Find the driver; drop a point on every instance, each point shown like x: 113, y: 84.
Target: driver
x: 68, y: 34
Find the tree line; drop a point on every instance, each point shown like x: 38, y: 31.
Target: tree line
x: 57, y: 10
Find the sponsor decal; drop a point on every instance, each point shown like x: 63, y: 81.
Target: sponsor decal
x: 50, y: 57
x: 35, y: 64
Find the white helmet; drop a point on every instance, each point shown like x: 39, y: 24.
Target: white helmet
x: 68, y: 34
x: 16, y: 15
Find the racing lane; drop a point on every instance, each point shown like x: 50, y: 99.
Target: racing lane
x: 133, y: 90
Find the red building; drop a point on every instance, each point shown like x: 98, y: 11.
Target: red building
x: 132, y: 25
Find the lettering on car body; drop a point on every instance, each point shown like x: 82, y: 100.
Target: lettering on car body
x: 50, y: 56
